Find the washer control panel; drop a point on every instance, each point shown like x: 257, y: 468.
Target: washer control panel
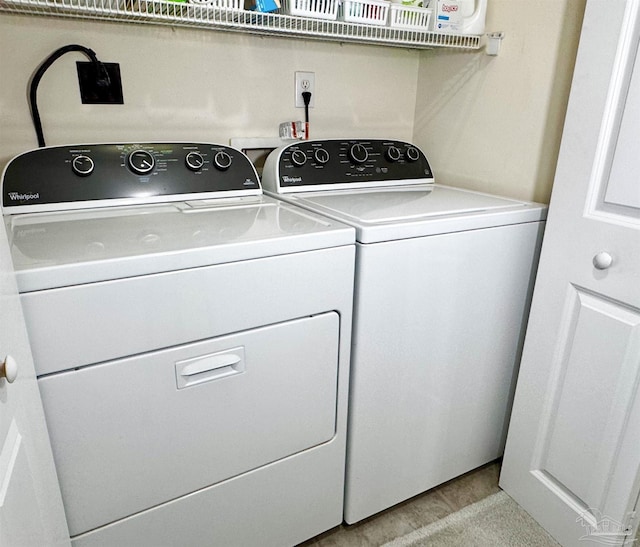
x: 357, y: 163
x: 104, y: 174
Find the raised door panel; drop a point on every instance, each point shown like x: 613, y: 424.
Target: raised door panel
x: 591, y: 404
x: 622, y: 184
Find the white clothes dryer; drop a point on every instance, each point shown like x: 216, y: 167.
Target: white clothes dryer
x: 172, y: 310
x: 443, y: 283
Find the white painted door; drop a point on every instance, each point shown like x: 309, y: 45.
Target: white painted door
x: 573, y: 451
x: 31, y: 511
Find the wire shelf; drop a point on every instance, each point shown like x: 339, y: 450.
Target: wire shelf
x: 209, y: 16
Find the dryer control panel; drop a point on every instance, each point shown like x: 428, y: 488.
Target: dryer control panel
x: 349, y: 163
x: 96, y: 175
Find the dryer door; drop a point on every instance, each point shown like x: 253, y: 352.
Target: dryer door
x: 167, y: 423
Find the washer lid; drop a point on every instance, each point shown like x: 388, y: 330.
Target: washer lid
x: 68, y: 248
x: 398, y: 213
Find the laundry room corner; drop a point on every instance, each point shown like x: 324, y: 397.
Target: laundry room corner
x: 493, y: 123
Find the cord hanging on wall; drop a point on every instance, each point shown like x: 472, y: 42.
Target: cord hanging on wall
x: 103, y: 79
x: 306, y: 96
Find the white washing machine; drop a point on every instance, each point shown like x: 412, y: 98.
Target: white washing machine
x: 443, y: 283
x: 191, y: 339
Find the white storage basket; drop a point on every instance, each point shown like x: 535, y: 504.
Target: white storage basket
x: 225, y: 4
x: 318, y: 9
x: 410, y: 17
x: 368, y: 12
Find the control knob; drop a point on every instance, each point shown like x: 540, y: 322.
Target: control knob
x: 358, y: 153
x: 393, y: 154
x: 141, y: 162
x: 194, y: 161
x: 222, y: 160
x: 82, y: 166
x: 413, y: 154
x: 321, y: 156
x: 298, y: 158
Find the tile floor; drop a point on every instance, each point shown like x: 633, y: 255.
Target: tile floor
x: 414, y: 513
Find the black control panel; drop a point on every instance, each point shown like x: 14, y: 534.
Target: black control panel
x: 311, y: 163
x: 89, y: 173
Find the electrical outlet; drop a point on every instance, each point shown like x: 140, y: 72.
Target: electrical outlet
x: 95, y: 88
x: 305, y: 81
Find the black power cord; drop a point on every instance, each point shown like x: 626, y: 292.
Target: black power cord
x: 37, y: 76
x: 306, y: 97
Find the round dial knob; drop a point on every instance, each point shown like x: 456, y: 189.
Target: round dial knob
x: 413, y: 154
x: 141, y: 162
x: 222, y: 161
x: 82, y: 166
x: 194, y: 161
x: 393, y: 154
x: 321, y: 156
x: 298, y: 157
x: 358, y: 153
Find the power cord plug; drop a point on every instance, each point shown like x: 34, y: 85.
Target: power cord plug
x: 306, y: 97
x: 104, y: 80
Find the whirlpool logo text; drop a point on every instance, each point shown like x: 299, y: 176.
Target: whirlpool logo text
x: 15, y: 196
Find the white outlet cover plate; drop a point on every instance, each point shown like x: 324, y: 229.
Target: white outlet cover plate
x: 299, y: 78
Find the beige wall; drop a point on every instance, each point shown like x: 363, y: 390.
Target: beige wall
x: 494, y: 123
x: 189, y: 84
x: 487, y: 123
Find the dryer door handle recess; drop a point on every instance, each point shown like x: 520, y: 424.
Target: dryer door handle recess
x: 209, y: 367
